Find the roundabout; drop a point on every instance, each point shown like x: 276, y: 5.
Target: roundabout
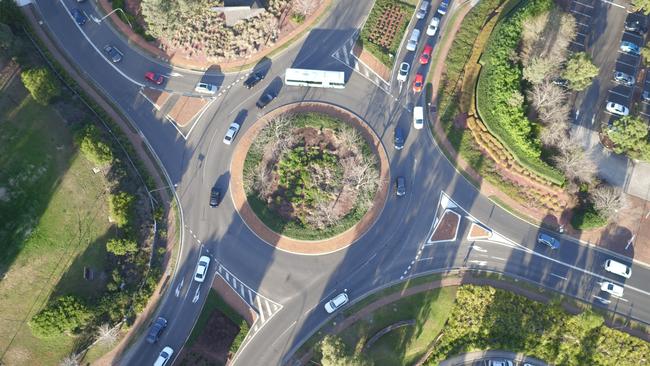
x: 322, y: 232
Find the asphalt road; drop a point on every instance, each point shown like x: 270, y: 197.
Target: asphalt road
x: 290, y: 290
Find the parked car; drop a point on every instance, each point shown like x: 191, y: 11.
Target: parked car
x: 231, y: 133
x: 645, y: 95
x: 206, y: 88
x: 403, y: 72
x: 418, y: 117
x: 618, y: 268
x: 623, y: 78
x: 78, y: 16
x: 154, y: 78
x: 114, y: 54
x: 561, y: 82
x: 548, y: 240
x: 265, y: 99
x: 501, y: 362
x: 635, y: 27
x: 400, y: 186
x: 412, y: 43
x: 433, y: 26
x: 629, y: 47
x: 334, y: 304
x: 442, y: 8
x: 215, y: 197
x: 422, y: 11
x: 164, y: 356
x: 399, y: 138
x: 617, y: 109
x: 426, y: 54
x: 612, y: 288
x: 253, y: 80
x: 156, y: 330
x: 417, y: 83
x: 202, y: 268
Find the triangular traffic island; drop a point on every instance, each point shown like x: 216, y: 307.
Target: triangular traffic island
x: 186, y: 109
x: 156, y: 97
x: 479, y: 232
x: 446, y: 228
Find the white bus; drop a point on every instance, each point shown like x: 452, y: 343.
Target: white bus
x: 315, y: 78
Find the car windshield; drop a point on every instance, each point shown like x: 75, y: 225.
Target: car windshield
x: 164, y: 354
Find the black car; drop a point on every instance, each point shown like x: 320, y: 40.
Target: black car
x: 265, y: 99
x: 635, y: 27
x: 113, y: 53
x: 646, y: 95
x: 78, y: 16
x: 400, y: 185
x: 215, y: 197
x: 156, y: 330
x: 561, y: 82
x: 253, y: 80
x: 399, y: 138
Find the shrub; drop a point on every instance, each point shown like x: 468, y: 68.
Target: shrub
x: 121, y: 246
x: 65, y: 314
x: 239, y: 339
x: 586, y: 217
x: 383, y: 40
x: 41, y: 84
x: 93, y: 147
x: 120, y: 208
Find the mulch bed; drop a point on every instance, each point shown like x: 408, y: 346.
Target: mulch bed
x: 213, y: 345
x: 186, y: 108
x: 477, y: 231
x: 447, y: 227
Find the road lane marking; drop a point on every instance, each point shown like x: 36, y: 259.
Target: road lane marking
x: 611, y: 3
x: 498, y: 258
x: 558, y: 276
x: 479, y: 249
x: 197, y: 294
x: 268, y: 308
x: 261, y: 310
x: 583, y: 14
x: 617, y: 93
x: 589, y: 6
x: 480, y: 263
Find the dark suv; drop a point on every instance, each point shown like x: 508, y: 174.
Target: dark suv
x: 114, y: 54
x: 635, y: 27
x: 548, y: 240
x: 253, y: 80
x: 156, y: 330
x: 399, y: 138
x: 400, y: 185
x: 215, y: 197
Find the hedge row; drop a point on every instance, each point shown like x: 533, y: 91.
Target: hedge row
x: 499, y: 81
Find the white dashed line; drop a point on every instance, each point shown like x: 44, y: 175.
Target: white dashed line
x: 558, y: 276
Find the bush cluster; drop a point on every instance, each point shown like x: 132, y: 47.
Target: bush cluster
x: 41, y: 84
x: 500, y: 80
x: 93, y: 147
x: 64, y: 314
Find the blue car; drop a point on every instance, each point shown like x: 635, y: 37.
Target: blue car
x: 78, y: 16
x: 548, y: 240
x: 442, y: 8
x: 156, y: 329
x: 631, y: 48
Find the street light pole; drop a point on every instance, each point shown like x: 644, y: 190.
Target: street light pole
x: 96, y: 20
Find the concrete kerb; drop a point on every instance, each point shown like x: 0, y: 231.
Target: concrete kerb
x: 306, y: 247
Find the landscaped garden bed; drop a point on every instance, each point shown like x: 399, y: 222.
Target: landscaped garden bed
x: 383, y: 31
x: 447, y: 228
x: 310, y: 175
x: 478, y: 231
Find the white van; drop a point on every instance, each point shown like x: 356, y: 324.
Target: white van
x: 422, y: 12
x: 412, y: 43
x: 618, y: 268
x: 418, y: 118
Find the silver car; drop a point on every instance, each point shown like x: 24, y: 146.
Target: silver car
x: 231, y: 133
x: 206, y: 88
x: 623, y: 78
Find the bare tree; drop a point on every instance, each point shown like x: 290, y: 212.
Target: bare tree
x: 107, y: 335
x: 547, y: 96
x: 305, y: 7
x: 553, y: 134
x: 70, y: 360
x: 576, y: 165
x: 540, y: 69
x: 608, y: 201
x: 349, y: 137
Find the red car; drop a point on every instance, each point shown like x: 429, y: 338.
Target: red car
x: 154, y: 78
x: 426, y: 55
x: 417, y: 83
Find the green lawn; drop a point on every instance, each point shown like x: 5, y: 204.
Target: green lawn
x: 53, y: 223
x: 405, y: 345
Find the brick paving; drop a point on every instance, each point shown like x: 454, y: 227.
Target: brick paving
x: 338, y: 242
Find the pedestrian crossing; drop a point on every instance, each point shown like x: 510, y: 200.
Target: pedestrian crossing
x: 345, y: 55
x: 263, y: 306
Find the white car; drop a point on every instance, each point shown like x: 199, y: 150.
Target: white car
x: 164, y: 356
x: 418, y: 118
x: 206, y: 88
x: 231, y: 133
x: 612, y: 288
x: 500, y: 363
x: 202, y: 268
x: 618, y: 268
x: 340, y: 300
x: 422, y: 11
x: 412, y: 43
x: 617, y: 109
x: 403, y: 72
x: 433, y: 26
x: 623, y: 78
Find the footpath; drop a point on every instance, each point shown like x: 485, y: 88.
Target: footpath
x: 151, y: 166
x: 465, y: 278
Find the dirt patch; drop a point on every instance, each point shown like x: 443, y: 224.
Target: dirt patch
x: 186, y: 109
x: 213, y: 344
x: 447, y: 227
x: 477, y: 231
x: 156, y: 97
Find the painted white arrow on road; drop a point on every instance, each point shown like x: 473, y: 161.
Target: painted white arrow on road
x: 175, y: 74
x: 479, y: 249
x: 196, y: 295
x: 179, y: 287
x: 480, y: 263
